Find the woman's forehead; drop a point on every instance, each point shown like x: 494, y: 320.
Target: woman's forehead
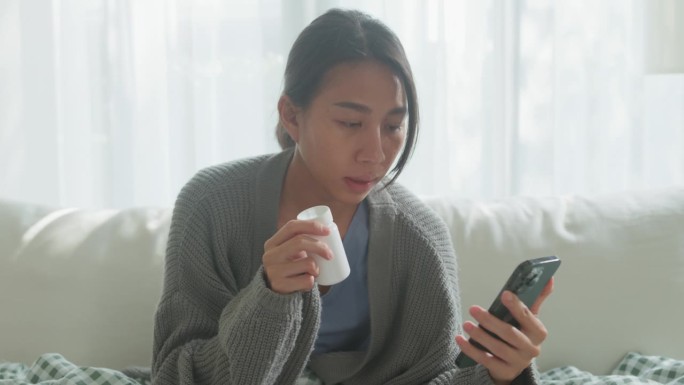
x: 363, y: 85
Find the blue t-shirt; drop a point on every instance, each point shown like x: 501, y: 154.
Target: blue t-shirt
x: 345, y: 314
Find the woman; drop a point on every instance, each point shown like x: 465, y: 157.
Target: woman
x: 241, y: 304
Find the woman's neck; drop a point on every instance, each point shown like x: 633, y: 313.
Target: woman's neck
x: 301, y: 191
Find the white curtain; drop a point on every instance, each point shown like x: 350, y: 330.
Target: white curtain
x: 117, y: 103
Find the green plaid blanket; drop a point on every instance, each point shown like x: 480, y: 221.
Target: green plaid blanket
x: 634, y: 369
x: 53, y: 369
x: 308, y: 378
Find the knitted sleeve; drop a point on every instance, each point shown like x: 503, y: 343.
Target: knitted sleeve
x: 480, y: 375
x: 210, y: 331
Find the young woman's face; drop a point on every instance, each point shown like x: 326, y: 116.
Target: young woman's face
x: 353, y: 130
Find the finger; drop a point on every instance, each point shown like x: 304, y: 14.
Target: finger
x: 548, y: 289
x: 307, y: 244
x: 491, y: 343
x: 510, y: 351
x: 478, y: 355
x: 507, y: 334
x: 292, y: 269
x: 296, y: 257
x: 304, y: 282
x: 489, y: 361
x: 296, y: 248
x: 294, y: 228
x: 290, y: 277
x: 529, y: 324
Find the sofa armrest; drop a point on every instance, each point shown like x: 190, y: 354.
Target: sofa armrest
x: 82, y: 283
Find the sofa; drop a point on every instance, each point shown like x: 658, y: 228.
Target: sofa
x: 85, y: 282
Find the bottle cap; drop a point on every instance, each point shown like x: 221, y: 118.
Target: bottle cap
x: 318, y: 213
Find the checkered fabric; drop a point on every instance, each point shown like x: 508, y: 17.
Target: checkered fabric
x: 634, y: 369
x: 54, y: 369
x: 659, y: 369
x: 308, y: 378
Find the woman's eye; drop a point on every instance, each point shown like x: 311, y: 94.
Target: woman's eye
x: 350, y: 124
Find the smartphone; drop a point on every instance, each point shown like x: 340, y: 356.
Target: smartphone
x: 527, y: 282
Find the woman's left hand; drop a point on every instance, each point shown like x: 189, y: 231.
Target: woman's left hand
x: 508, y: 358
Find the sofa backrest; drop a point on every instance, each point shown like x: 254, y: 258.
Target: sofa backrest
x: 85, y: 283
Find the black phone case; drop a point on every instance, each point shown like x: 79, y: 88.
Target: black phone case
x: 527, y: 281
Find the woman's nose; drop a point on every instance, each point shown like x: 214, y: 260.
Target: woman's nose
x: 371, y: 150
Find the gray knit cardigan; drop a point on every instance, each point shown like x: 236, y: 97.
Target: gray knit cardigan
x: 218, y: 323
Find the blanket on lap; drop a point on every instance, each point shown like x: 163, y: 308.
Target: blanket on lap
x: 54, y: 369
x: 634, y: 369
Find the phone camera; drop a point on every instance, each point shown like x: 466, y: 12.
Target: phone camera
x: 531, y: 278
x: 534, y: 276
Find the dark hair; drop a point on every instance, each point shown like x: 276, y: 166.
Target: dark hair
x: 341, y: 36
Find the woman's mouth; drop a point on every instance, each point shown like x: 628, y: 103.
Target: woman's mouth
x: 359, y: 185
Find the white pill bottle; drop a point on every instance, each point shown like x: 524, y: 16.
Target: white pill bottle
x: 337, y: 269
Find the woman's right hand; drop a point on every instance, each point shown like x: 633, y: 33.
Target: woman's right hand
x: 287, y: 262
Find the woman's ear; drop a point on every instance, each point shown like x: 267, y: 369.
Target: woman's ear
x: 288, y: 112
